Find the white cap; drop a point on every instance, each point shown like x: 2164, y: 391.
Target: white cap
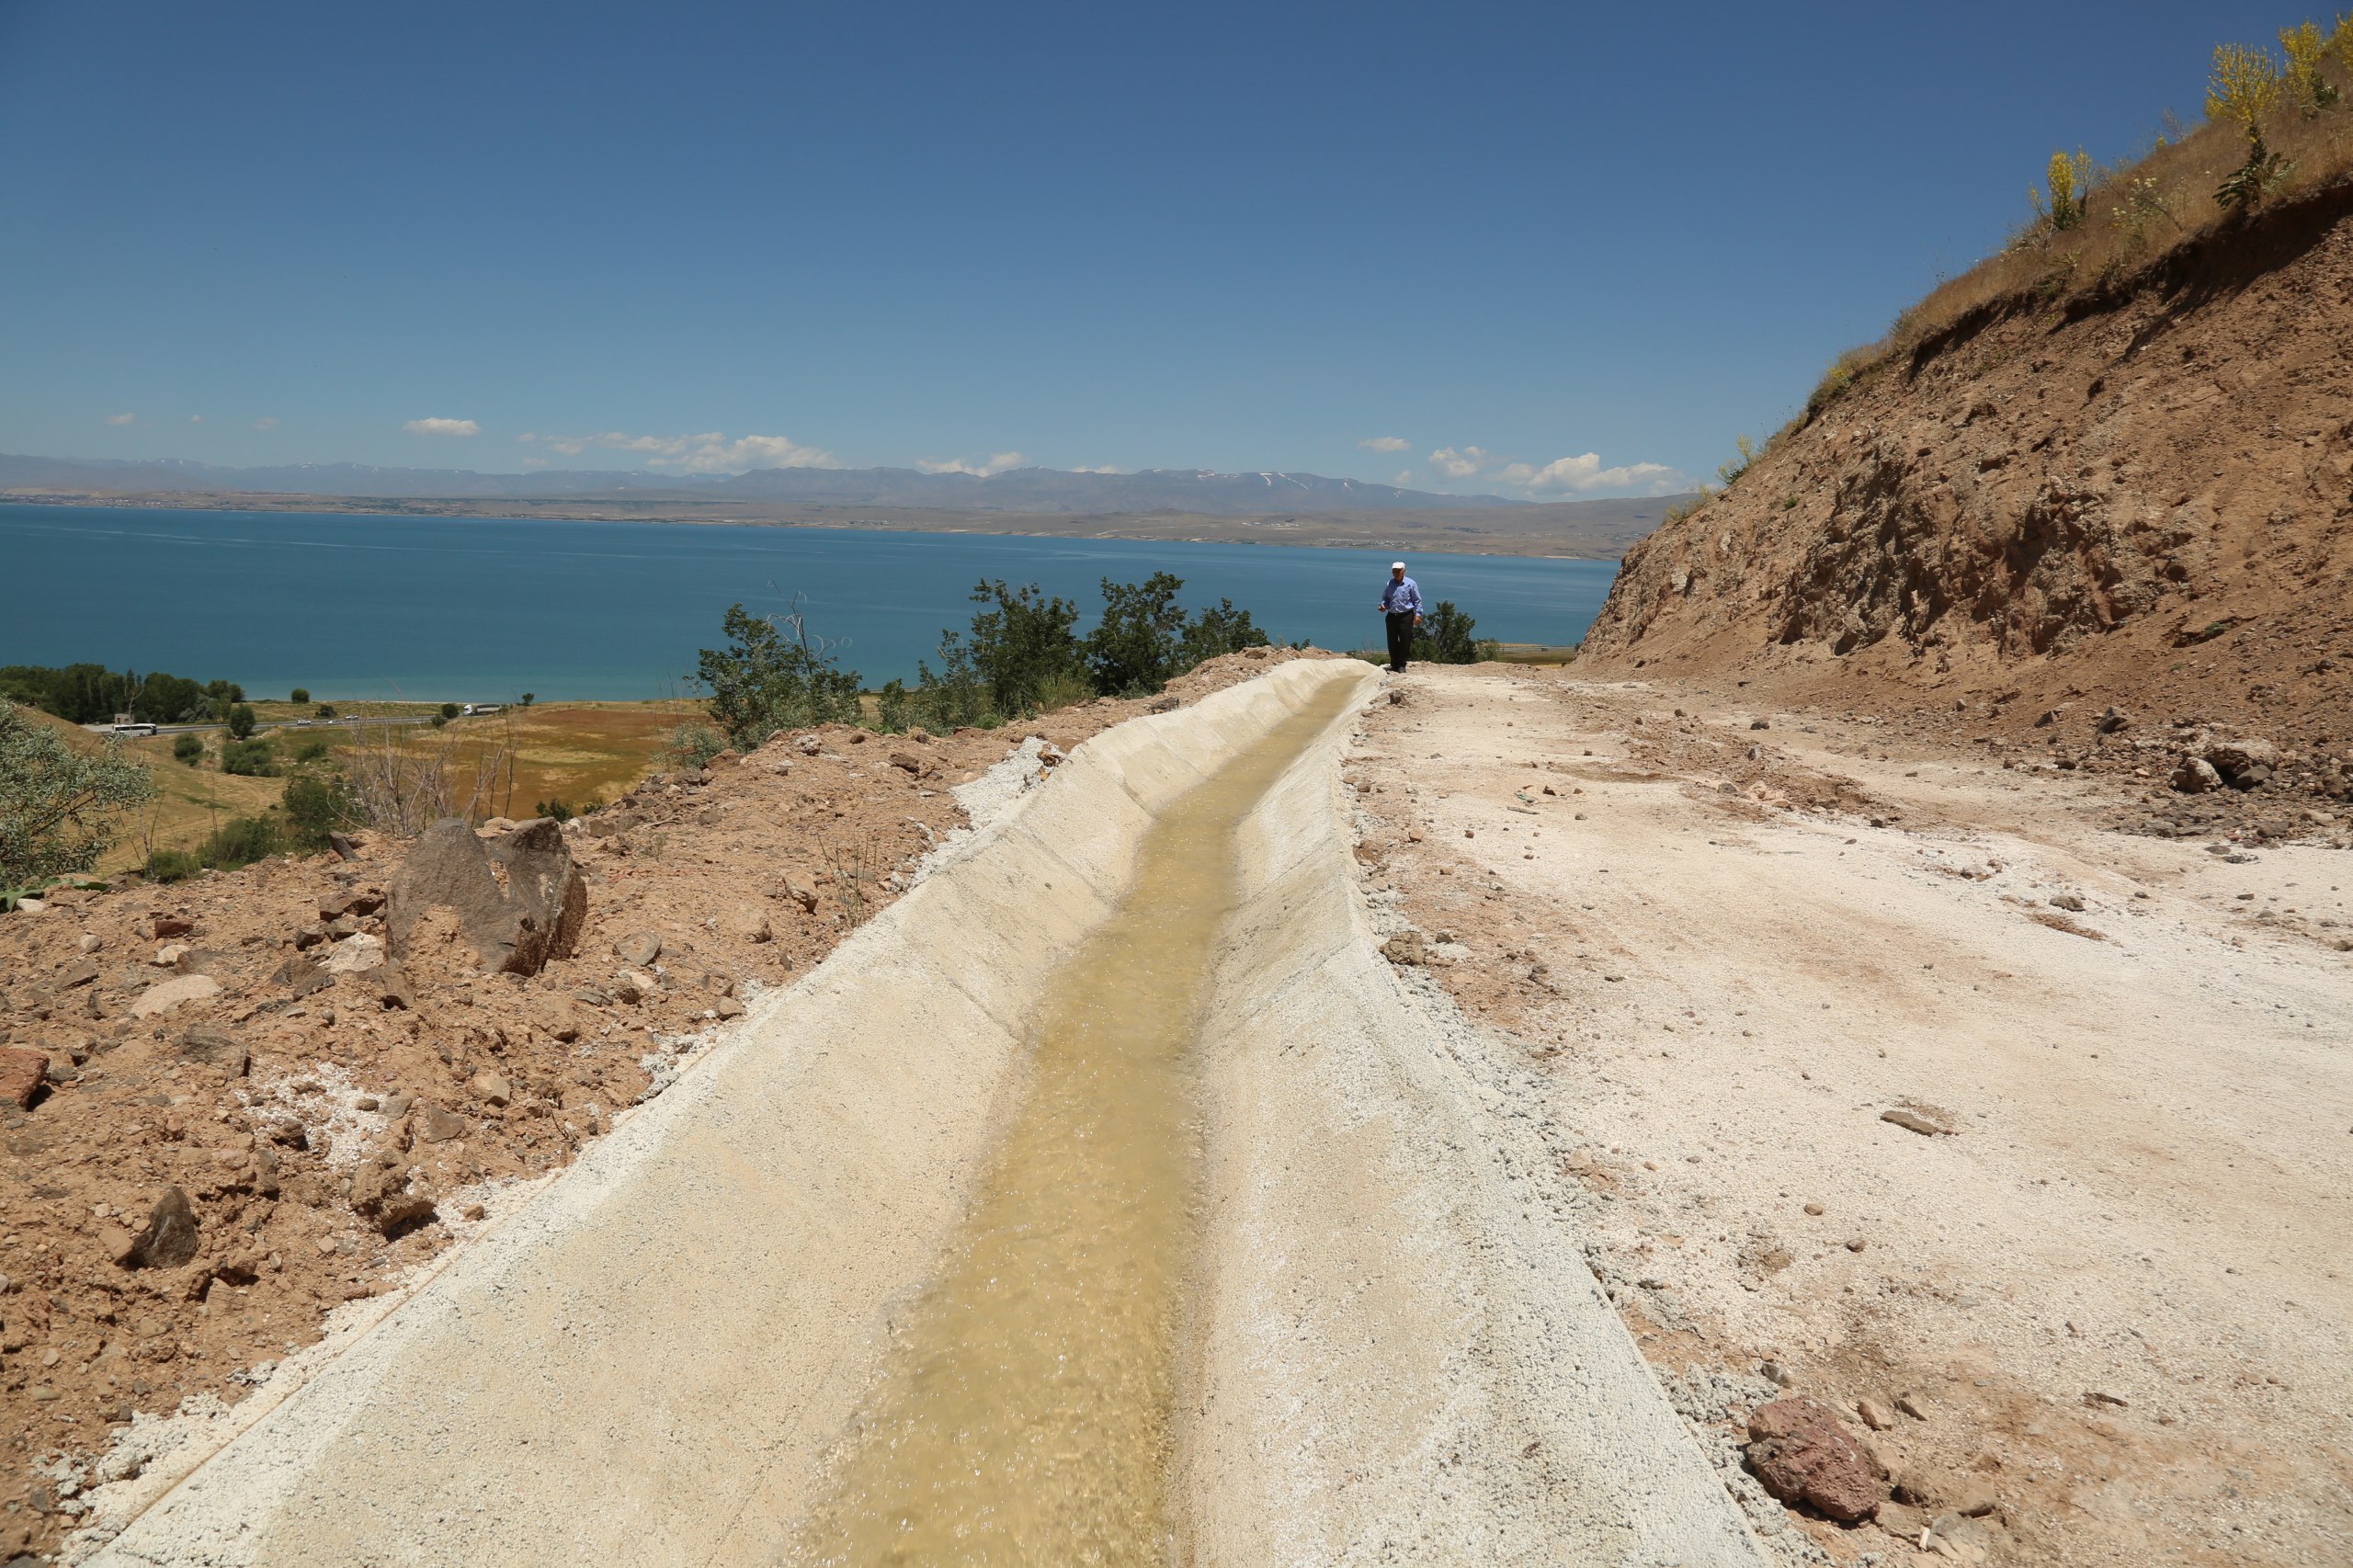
x: 1396, y: 566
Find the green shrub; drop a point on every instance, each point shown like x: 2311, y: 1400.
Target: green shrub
x: 693, y: 745
x: 1219, y: 630
x: 2070, y: 179
x: 451, y: 710
x: 312, y: 750
x: 774, y: 676
x: 241, y: 721
x: 60, y: 809
x: 1444, y: 637
x: 241, y: 841
x: 300, y: 694
x: 1134, y: 649
x: 171, y: 865
x: 326, y: 710
x: 440, y: 721
x: 528, y: 698
x: 189, y: 749
x: 555, y: 809
x: 317, y: 805
x: 250, y: 759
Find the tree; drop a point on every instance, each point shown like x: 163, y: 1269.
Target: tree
x: 326, y: 710
x: 316, y: 805
x: 241, y: 721
x: 529, y: 697
x: 300, y: 694
x: 1444, y: 637
x: 773, y: 676
x: 451, y: 710
x: 59, y: 808
x: 1219, y: 631
x: 1022, y: 647
x: 1135, y: 648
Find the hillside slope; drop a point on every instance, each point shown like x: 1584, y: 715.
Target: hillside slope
x: 2136, y: 496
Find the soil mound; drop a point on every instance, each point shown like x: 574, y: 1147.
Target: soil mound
x: 2134, y: 498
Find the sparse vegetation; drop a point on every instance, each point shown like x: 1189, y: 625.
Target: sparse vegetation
x: 1445, y: 637
x: 187, y: 750
x: 1728, y: 473
x: 2068, y: 179
x: 250, y: 759
x: 60, y: 809
x: 692, y: 745
x: 92, y: 694
x: 774, y: 675
x: 2275, y: 125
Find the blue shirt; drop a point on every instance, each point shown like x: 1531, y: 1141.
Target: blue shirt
x: 1402, y: 596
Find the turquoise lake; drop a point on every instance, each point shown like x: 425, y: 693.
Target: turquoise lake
x: 479, y: 610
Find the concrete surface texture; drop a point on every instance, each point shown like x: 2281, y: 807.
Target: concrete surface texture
x: 1393, y: 1353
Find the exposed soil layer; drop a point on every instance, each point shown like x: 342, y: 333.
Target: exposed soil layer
x: 2130, y: 505
x: 1899, y: 1078
x: 262, y: 1095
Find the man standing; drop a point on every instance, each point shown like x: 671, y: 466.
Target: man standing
x: 1401, y: 603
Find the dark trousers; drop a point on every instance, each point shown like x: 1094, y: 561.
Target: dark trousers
x: 1400, y: 638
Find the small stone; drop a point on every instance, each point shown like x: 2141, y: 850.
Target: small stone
x: 2196, y: 776
x: 492, y: 1089
x: 117, y: 1245
x: 1874, y: 1414
x: 800, y: 892
x: 433, y: 1125
x: 172, y: 925
x: 2096, y: 1399
x: 2068, y: 901
x: 1912, y: 1121
x: 356, y: 955
x: 21, y: 1073
x: 1855, y: 1243
x: 728, y: 1008
x: 638, y: 948
x: 906, y: 761
x: 167, y: 994
x: 89, y: 942
x: 216, y: 1047
x: 169, y: 955
x: 1799, y: 1452
x: 1913, y: 1405
x: 170, y: 1237
x: 1405, y: 948
x: 1759, y: 724
x: 74, y: 974
x: 397, y: 1106
x: 1814, y: 1209
x: 366, y: 1102
x: 635, y: 985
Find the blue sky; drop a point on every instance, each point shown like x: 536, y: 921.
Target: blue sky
x: 1422, y: 243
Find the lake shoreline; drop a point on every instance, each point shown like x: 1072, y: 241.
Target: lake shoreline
x: 1470, y: 531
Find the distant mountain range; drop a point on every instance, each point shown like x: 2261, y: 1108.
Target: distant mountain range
x: 1026, y: 490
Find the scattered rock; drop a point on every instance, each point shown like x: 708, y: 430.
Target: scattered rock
x: 906, y: 761
x: 1912, y: 1405
x: 2097, y: 1400
x: 1902, y: 1520
x: 2196, y: 776
x: 1759, y: 724
x: 1961, y: 1537
x: 1874, y: 1414
x: 638, y: 948
x: 635, y: 985
x: 492, y: 1089
x: 165, y: 996
x: 535, y: 915
x: 431, y: 1124
x: 171, y: 925
x: 216, y: 1047
x: 2112, y: 721
x: 356, y: 955
x: 1912, y: 1121
x: 301, y: 977
x: 170, y: 1237
x: 728, y: 1008
x: 800, y: 892
x: 169, y: 955
x: 20, y: 1075
x: 1405, y: 948
x: 2243, y: 764
x: 1164, y: 704
x: 1799, y: 1452
x: 2069, y: 902
x: 73, y: 974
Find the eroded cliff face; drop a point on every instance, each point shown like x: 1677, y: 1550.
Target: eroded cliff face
x: 2066, y: 493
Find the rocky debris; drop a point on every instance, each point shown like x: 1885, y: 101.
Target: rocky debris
x: 1163, y: 704
x: 216, y: 1047
x: 728, y: 1008
x: 2067, y: 901
x: 1405, y: 948
x: 165, y: 996
x: 1803, y: 1456
x: 20, y: 1075
x: 638, y: 948
x: 493, y: 1090
x: 2243, y: 764
x: 906, y: 761
x: 635, y: 985
x: 356, y: 954
x: 429, y: 1123
x: 1912, y: 1121
x: 300, y: 977
x: 382, y: 1194
x: 513, y: 927
x: 170, y: 1238
x: 2196, y: 776
x: 800, y: 890
x: 163, y: 925
x: 1874, y: 1414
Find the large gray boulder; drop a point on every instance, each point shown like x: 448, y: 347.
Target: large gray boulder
x: 517, y: 899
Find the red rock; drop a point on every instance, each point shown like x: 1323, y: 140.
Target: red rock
x: 20, y: 1075
x: 173, y: 925
x: 1803, y: 1456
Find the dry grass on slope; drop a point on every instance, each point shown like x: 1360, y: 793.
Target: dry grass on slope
x: 2106, y: 229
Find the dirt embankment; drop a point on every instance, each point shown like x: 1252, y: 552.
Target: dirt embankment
x: 2135, y: 500
x: 219, y: 1072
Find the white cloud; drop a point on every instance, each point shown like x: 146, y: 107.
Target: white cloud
x: 1106, y: 468
x: 1384, y: 443
x: 1462, y: 463
x: 442, y: 427
x: 120, y: 418
x: 1584, y: 475
x: 996, y: 463
x: 267, y: 423
x: 709, y: 452
x: 1405, y: 477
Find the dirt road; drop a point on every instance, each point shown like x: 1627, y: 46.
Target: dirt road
x: 1886, y: 1065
